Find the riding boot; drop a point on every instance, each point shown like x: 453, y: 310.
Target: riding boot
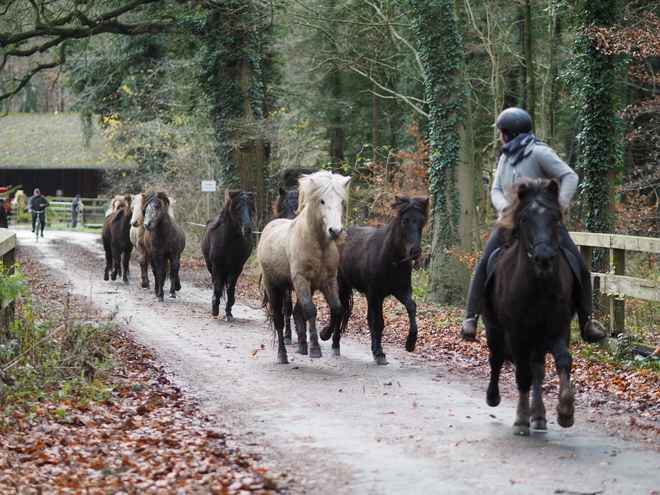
x: 591, y: 329
x: 474, y: 304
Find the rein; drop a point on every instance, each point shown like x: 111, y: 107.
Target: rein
x: 409, y: 258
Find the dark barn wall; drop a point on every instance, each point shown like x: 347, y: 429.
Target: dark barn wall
x: 85, y: 182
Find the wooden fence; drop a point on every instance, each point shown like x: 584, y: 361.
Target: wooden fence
x: 59, y: 211
x: 8, y: 256
x: 615, y: 284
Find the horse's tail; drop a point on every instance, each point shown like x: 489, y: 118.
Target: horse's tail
x: 347, y: 309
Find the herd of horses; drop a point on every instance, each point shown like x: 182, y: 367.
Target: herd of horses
x: 306, y: 248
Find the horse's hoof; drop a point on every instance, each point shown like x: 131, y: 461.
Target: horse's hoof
x: 565, y: 420
x: 160, y: 298
x: 335, y: 351
x: 177, y: 286
x: 326, y: 333
x: 172, y: 295
x: 315, y: 352
x: 282, y: 359
x: 125, y: 281
x: 287, y: 341
x: 493, y: 401
x: 410, y: 343
x: 381, y: 359
x: 113, y: 277
x: 146, y: 286
x: 539, y: 425
x: 302, y: 349
x: 522, y: 430
x: 215, y: 310
x: 105, y: 277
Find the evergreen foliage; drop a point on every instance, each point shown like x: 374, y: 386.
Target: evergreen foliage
x: 434, y: 23
x: 235, y: 67
x: 597, y: 104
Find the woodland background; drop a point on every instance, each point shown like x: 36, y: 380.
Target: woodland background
x: 399, y: 94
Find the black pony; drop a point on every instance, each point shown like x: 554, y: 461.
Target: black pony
x: 164, y: 241
x: 378, y: 263
x: 117, y: 241
x: 528, y: 308
x: 226, y: 245
x: 286, y: 206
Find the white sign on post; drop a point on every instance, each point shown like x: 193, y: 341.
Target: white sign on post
x: 208, y: 186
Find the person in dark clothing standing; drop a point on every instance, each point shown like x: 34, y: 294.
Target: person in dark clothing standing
x: 76, y: 208
x: 37, y: 205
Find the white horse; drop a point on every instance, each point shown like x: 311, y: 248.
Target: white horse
x: 301, y: 255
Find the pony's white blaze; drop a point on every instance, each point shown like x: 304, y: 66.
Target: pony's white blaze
x: 136, y: 218
x: 150, y: 213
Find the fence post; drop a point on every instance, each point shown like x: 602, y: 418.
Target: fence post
x: 617, y: 303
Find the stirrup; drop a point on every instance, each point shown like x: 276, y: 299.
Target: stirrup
x: 469, y: 329
x: 594, y: 331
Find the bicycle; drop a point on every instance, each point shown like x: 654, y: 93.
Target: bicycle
x: 40, y: 218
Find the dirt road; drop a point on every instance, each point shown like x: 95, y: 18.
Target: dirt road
x: 344, y: 425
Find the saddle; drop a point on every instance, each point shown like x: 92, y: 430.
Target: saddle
x: 570, y: 257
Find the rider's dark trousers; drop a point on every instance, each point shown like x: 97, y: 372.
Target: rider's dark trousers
x: 581, y: 291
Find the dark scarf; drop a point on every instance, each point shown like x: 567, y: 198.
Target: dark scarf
x: 518, y: 143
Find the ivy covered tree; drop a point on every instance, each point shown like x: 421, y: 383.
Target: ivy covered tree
x: 597, y: 104
x: 237, y: 73
x: 435, y: 25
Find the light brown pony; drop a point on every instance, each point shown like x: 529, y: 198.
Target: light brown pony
x: 301, y: 255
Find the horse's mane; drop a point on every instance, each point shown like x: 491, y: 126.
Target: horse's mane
x: 314, y: 186
x: 544, y: 192
x: 228, y: 209
x: 149, y: 197
x: 403, y: 204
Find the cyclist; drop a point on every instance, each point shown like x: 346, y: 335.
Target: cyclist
x: 37, y: 205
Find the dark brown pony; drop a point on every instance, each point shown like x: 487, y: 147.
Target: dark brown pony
x: 286, y: 206
x: 164, y: 241
x: 378, y: 263
x: 528, y: 308
x: 117, y: 242
x: 226, y: 245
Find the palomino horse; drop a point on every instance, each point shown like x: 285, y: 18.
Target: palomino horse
x: 286, y: 206
x: 116, y: 240
x: 378, y: 263
x: 226, y: 245
x: 164, y: 241
x: 301, y: 255
x: 137, y: 235
x: 528, y: 307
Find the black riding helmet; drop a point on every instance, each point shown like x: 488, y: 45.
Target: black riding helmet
x: 514, y: 121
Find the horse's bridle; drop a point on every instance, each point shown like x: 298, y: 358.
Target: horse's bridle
x: 530, y: 247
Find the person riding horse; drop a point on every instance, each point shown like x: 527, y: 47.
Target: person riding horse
x: 524, y: 156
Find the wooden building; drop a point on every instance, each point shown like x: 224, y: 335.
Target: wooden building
x: 48, y: 151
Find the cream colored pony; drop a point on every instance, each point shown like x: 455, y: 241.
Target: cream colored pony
x: 301, y: 255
